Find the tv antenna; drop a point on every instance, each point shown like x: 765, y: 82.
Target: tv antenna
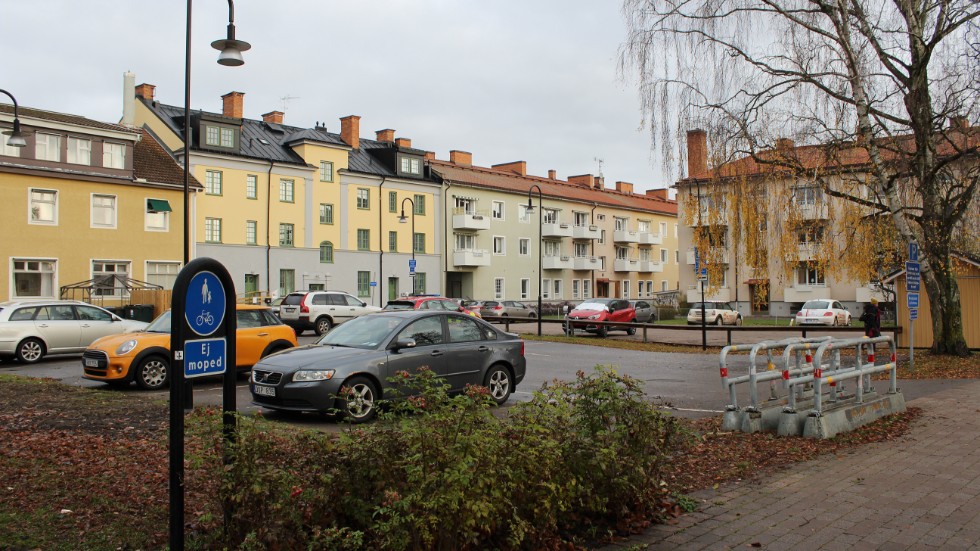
x: 285, y: 99
x: 599, y: 161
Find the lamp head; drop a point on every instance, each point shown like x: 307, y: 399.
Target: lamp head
x: 530, y: 205
x: 403, y: 219
x: 16, y: 138
x: 231, y: 49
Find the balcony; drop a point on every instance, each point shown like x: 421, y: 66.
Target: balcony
x: 721, y: 294
x: 585, y: 232
x: 648, y: 266
x: 709, y: 217
x: 554, y: 229
x: 806, y: 251
x: 556, y: 263
x: 818, y: 211
x: 626, y: 265
x: 717, y: 252
x: 586, y: 263
x: 463, y: 220
x: 626, y: 236
x: 648, y: 238
x: 803, y: 293
x: 471, y: 257
x: 866, y: 293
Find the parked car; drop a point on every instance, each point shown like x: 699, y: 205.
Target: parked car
x: 429, y: 302
x: 715, y: 313
x: 823, y: 311
x: 601, y: 309
x: 321, y: 310
x: 348, y: 369
x: 644, y: 311
x: 32, y: 329
x: 506, y: 308
x: 145, y: 357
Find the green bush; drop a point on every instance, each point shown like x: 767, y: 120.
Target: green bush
x: 443, y: 472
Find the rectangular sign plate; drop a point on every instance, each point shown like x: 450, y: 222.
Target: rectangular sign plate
x: 205, y: 357
x: 912, y: 278
x: 913, y: 314
x: 913, y: 301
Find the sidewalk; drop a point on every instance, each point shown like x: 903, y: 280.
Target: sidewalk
x: 921, y: 491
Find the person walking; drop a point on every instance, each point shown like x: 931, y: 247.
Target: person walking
x: 872, y: 319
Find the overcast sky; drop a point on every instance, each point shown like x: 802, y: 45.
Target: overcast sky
x: 506, y: 80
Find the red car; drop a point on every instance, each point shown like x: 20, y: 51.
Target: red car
x: 601, y: 309
x: 429, y: 303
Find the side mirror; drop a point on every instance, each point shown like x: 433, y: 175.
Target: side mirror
x: 404, y: 343
x: 116, y: 318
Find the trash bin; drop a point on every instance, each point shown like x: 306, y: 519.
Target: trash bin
x: 141, y: 312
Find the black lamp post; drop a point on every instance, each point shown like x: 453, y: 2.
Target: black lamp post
x: 704, y: 332
x: 16, y: 138
x: 530, y: 209
x: 403, y: 219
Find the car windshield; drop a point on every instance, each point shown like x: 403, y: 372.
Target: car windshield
x: 362, y: 332
x: 707, y: 306
x: 469, y: 303
x: 593, y: 305
x: 403, y: 305
x: 816, y: 305
x: 293, y: 299
x: 161, y: 324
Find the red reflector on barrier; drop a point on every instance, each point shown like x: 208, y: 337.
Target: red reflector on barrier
x: 724, y: 372
x: 893, y: 357
x: 818, y: 373
x: 833, y: 383
x: 809, y: 359
x: 871, y: 358
x: 786, y: 375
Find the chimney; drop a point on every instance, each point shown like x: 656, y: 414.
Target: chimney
x: 461, y: 158
x: 145, y: 91
x: 129, y: 99
x: 403, y: 142
x: 385, y: 136
x: 624, y: 187
x: 785, y: 144
x: 430, y: 156
x: 552, y: 174
x: 350, y: 130
x: 598, y: 183
x: 322, y: 127
x: 273, y: 117
x: 584, y: 180
x: 517, y: 167
x: 234, y: 105
x: 959, y: 123
x: 697, y: 154
x: 659, y: 193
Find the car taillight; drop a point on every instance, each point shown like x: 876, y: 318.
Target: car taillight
x: 800, y: 313
x: 522, y: 349
x: 498, y: 307
x: 828, y: 314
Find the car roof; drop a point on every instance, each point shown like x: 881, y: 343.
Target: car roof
x: 36, y: 301
x: 251, y: 307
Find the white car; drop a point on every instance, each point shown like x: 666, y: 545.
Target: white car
x: 823, y: 311
x: 715, y: 313
x: 321, y: 310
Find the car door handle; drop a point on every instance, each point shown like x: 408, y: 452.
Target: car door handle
x: 86, y: 325
x: 436, y: 353
x: 484, y: 349
x: 42, y: 325
x: 263, y: 334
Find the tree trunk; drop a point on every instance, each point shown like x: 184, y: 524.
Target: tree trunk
x: 945, y: 307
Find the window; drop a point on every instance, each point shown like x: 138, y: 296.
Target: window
x: 251, y: 229
x: 558, y: 288
x: 626, y: 288
x: 522, y: 215
x: 287, y: 282
x: 644, y: 254
x: 550, y: 216
x: 286, y: 191
x: 212, y: 230
x: 807, y: 195
x: 326, y: 252
x: 392, y: 201
x: 499, y: 245
x: 8, y: 150
x: 103, y: 211
x: 586, y: 288
x: 497, y: 210
x: 811, y: 233
x: 524, y: 246
x: 326, y: 213
x: 163, y: 274
x: 113, y: 155
x: 675, y: 230
x: 393, y: 242
x: 622, y: 253
x: 465, y: 206
x: 411, y: 166
x: 575, y: 288
x: 663, y: 255
x: 465, y: 241
x: 464, y: 330
x: 551, y: 248
x: 363, y: 199
x: 418, y: 286
x: 498, y: 288
x: 363, y: 240
x: 525, y: 288
x: 212, y: 182
x: 43, y: 205
x: 807, y: 273
x: 419, y: 201
x: 677, y: 256
x: 34, y: 278
x: 663, y: 285
x: 580, y: 218
x: 47, y: 147
x: 363, y: 284
x: 663, y: 229
x: 286, y: 235
x: 418, y: 243
x: 581, y: 250
x: 621, y: 223
x: 326, y: 171
x: 643, y: 226
x: 545, y: 288
x: 157, y: 216
x: 212, y: 135
x: 79, y: 151
x: 416, y: 166
x: 251, y: 186
x: 602, y: 236
x: 104, y: 276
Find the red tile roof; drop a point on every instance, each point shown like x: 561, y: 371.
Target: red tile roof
x: 154, y: 164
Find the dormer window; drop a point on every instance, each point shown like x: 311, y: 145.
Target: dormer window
x: 218, y: 136
x: 411, y: 165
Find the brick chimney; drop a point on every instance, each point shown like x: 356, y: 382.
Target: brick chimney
x: 584, y: 180
x: 350, y: 130
x: 697, y: 154
x: 430, y: 156
x: 659, y: 193
x: 146, y: 91
x: 461, y: 158
x: 273, y: 117
x: 403, y: 142
x: 234, y: 105
x: 624, y: 187
x: 385, y: 136
x: 552, y: 174
x: 517, y: 167
x: 785, y: 144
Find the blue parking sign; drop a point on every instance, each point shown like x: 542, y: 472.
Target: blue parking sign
x: 205, y: 357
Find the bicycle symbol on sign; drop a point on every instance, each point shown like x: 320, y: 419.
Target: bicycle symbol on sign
x: 205, y: 318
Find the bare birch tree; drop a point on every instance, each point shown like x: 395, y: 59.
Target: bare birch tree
x: 885, y: 88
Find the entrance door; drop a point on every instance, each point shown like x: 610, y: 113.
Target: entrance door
x: 392, y: 288
x: 251, y: 284
x: 759, y: 294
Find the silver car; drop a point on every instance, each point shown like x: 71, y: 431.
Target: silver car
x: 32, y: 329
x: 347, y: 370
x: 506, y: 308
x: 644, y: 311
x: 321, y: 310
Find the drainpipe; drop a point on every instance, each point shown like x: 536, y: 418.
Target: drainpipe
x: 381, y: 248
x: 592, y: 271
x: 268, y: 233
x: 445, y: 247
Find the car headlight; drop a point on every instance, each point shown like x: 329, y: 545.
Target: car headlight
x: 126, y: 347
x: 317, y: 375
x: 595, y: 316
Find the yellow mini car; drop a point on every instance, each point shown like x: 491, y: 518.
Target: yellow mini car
x: 144, y: 357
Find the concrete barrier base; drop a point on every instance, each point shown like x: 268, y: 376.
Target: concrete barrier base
x: 848, y: 416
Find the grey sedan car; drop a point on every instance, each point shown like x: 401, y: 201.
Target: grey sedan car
x: 644, y: 311
x: 506, y: 308
x: 347, y: 370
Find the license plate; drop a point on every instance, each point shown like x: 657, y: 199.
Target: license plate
x: 91, y: 363
x: 265, y: 390
x: 290, y: 310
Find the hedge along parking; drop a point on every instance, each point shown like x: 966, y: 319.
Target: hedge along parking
x: 580, y: 460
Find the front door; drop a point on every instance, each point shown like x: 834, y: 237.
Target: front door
x: 759, y: 294
x: 251, y: 284
x: 392, y: 288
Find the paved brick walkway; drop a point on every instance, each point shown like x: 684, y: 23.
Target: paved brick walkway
x: 919, y: 492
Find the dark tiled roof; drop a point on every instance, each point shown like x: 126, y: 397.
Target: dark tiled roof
x: 63, y: 118
x: 153, y: 163
x: 556, y: 189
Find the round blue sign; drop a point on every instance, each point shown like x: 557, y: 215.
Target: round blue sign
x: 204, y: 305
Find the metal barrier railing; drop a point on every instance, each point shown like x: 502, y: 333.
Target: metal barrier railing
x: 860, y: 371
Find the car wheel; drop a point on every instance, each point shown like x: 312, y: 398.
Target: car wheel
x: 631, y: 330
x: 498, y: 382
x: 719, y: 321
x: 834, y: 323
x: 323, y: 325
x: 532, y: 315
x: 848, y: 321
x: 153, y: 373
x: 360, y: 400
x: 738, y: 320
x: 602, y: 331
x: 30, y: 351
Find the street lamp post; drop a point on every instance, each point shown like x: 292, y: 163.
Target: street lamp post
x: 403, y: 219
x: 704, y: 332
x: 530, y: 209
x: 16, y: 138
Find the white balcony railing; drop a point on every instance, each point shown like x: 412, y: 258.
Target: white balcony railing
x: 718, y: 252
x: 720, y: 294
x: 585, y: 232
x: 555, y: 229
x: 647, y: 266
x: 648, y: 238
x: 471, y: 257
x: 803, y: 293
x: 586, y: 263
x: 556, y: 263
x: 475, y: 220
x: 625, y: 236
x: 818, y: 211
x: 626, y: 265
